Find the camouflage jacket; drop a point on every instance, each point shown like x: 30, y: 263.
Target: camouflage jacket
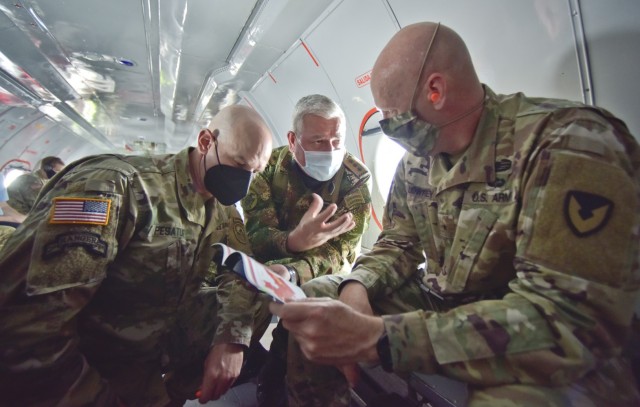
x: 110, y: 258
x: 531, y: 245
x: 278, y: 199
x: 24, y: 190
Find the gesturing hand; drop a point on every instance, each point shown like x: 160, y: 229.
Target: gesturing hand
x: 314, y: 228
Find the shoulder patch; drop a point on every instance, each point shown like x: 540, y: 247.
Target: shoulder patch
x: 586, y: 213
x: 355, y: 166
x: 87, y: 211
x: 91, y: 242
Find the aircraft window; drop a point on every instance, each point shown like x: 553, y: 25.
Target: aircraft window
x: 388, y: 154
x: 12, y: 175
x: 381, y: 154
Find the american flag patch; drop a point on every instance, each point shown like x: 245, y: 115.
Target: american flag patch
x: 80, y: 210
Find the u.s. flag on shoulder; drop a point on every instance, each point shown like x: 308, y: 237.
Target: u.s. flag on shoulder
x: 80, y: 210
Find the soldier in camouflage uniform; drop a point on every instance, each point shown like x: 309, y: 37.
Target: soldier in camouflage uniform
x: 283, y: 214
x: 24, y: 190
x: 9, y: 217
x: 526, y: 214
x: 307, y: 210
x: 106, y: 293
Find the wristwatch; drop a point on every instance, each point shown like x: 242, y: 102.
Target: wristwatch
x: 384, y: 352
x: 293, y: 275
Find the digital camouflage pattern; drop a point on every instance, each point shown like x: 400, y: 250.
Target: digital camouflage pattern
x: 531, y: 245
x: 24, y: 190
x: 91, y: 312
x: 278, y: 199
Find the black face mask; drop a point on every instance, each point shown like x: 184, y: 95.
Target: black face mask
x: 228, y: 184
x: 50, y: 173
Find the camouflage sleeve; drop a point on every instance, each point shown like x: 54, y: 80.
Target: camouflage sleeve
x: 577, y: 273
x: 338, y: 254
x: 237, y: 300
x: 261, y: 218
x: 397, y: 252
x: 23, y: 192
x: 51, y: 269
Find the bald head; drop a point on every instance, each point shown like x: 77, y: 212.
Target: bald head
x: 237, y: 137
x: 398, y: 67
x: 242, y: 133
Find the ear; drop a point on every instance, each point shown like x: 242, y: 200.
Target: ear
x: 434, y: 90
x: 206, y: 138
x: 291, y: 136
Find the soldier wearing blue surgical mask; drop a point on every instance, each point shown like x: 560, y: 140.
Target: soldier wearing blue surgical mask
x: 307, y: 210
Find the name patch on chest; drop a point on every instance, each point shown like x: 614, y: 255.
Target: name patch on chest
x: 489, y: 197
x: 168, y: 231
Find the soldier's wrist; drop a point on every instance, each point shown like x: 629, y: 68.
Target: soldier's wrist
x: 293, y: 274
x: 383, y: 347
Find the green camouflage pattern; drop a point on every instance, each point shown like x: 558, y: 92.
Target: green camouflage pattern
x: 90, y: 312
x: 530, y: 244
x: 5, y: 232
x: 278, y: 199
x: 24, y: 190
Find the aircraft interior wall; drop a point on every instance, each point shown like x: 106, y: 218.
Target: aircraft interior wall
x: 183, y: 60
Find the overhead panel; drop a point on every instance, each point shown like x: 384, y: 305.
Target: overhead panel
x: 613, y: 41
x: 22, y: 128
x: 298, y: 75
x: 516, y: 46
x: 273, y: 105
x: 346, y: 44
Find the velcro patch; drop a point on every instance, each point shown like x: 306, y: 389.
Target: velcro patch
x: 584, y: 219
x: 89, y: 211
x: 586, y: 213
x: 91, y: 242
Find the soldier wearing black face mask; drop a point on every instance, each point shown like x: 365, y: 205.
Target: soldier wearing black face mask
x: 24, y: 190
x: 119, y: 249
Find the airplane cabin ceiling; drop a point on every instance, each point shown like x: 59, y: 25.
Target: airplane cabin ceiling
x: 122, y: 73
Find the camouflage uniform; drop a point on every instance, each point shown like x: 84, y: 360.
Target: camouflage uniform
x: 278, y: 199
x: 24, y: 190
x: 531, y: 245
x: 98, y: 310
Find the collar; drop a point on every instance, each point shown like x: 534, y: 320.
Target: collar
x: 192, y: 202
x: 477, y: 163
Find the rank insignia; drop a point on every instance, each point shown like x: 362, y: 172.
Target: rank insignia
x: 586, y: 213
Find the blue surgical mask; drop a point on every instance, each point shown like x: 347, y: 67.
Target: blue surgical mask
x: 322, y: 165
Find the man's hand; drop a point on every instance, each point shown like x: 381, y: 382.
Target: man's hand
x: 331, y: 332
x: 314, y: 228
x: 280, y: 270
x: 221, y: 369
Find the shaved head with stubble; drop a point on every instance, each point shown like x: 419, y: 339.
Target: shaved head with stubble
x: 399, y: 78
x: 242, y: 138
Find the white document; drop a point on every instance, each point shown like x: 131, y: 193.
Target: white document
x: 258, y: 275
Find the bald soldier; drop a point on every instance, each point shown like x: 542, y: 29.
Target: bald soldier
x: 106, y: 294
x: 24, y: 190
x: 526, y: 213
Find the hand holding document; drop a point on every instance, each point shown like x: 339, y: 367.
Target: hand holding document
x: 257, y: 274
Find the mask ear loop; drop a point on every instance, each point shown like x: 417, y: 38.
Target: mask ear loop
x: 424, y: 62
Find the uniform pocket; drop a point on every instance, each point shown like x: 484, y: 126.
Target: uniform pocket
x: 424, y: 212
x: 474, y: 226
